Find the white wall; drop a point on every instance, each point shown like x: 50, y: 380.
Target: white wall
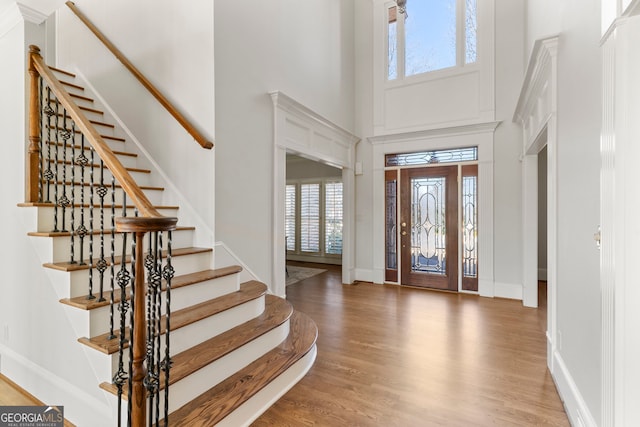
x: 172, y: 45
x: 578, y: 162
x: 507, y: 142
x: 301, y: 168
x: 364, y: 128
x: 542, y: 215
x: 304, y: 49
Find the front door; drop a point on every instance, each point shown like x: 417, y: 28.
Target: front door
x: 429, y: 227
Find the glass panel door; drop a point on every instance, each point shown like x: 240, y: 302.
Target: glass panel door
x: 428, y: 228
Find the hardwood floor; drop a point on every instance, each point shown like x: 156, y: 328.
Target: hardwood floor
x: 396, y: 356
x: 12, y: 394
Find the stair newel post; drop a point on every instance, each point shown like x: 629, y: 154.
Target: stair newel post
x: 34, y: 127
x: 140, y: 226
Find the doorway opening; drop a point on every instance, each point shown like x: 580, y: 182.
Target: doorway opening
x: 432, y: 223
x: 313, y: 211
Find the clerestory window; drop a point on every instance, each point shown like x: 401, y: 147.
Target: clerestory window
x: 430, y: 35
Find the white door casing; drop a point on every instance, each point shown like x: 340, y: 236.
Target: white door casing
x: 298, y: 129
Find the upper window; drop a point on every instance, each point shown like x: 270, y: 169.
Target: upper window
x: 430, y: 35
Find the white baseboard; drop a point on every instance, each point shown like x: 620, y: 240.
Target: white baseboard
x: 542, y: 274
x: 79, y: 408
x: 507, y: 290
x: 575, y: 406
x: 363, y: 275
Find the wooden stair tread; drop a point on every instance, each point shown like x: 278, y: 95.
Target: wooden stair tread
x: 73, y: 85
x: 97, y: 166
x: 95, y: 122
x: 277, y: 311
x: 65, y: 266
x: 87, y: 184
x: 84, y: 303
x: 95, y: 206
x: 95, y: 232
x: 212, y: 406
x: 68, y: 73
x: 88, y: 148
x: 186, y: 316
x: 92, y: 110
x: 74, y: 95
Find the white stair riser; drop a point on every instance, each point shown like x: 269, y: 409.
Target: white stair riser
x: 210, y: 289
x: 78, y: 280
x: 127, y: 161
x: 65, y: 174
x: 202, y: 380
x: 187, y: 389
x: 186, y: 337
x: 80, y: 191
x: 62, y: 245
x: 46, y: 216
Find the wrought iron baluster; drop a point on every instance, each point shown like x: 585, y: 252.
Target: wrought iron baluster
x: 55, y: 166
x: 157, y: 279
x: 123, y: 279
x: 101, y: 265
x: 167, y: 273
x: 41, y: 114
x: 81, y: 230
x: 48, y: 174
x: 91, y: 188
x: 132, y: 323
x: 113, y: 251
x: 73, y: 194
x: 151, y: 381
x: 63, y: 202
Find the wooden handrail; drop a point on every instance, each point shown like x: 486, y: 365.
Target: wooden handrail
x: 186, y: 124
x: 138, y: 198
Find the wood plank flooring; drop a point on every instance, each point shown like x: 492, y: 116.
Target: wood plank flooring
x: 12, y: 394
x: 395, y: 356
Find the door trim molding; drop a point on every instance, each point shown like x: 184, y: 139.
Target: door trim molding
x: 480, y: 135
x: 298, y: 129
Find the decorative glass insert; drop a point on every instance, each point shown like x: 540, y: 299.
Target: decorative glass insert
x: 391, y: 200
x: 333, y: 218
x: 428, y: 230
x: 455, y: 155
x: 392, y: 43
x: 310, y: 217
x: 290, y: 216
x: 470, y: 226
x: 430, y: 36
x: 471, y: 31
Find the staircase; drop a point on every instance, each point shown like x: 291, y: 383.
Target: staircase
x: 234, y: 348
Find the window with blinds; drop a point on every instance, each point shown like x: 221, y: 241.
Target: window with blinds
x: 313, y: 218
x: 310, y: 218
x: 333, y: 218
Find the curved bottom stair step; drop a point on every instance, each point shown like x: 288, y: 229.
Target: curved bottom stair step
x: 218, y: 402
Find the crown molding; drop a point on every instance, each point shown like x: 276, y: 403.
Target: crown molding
x: 544, y: 51
x: 31, y: 15
x: 435, y: 133
x: 286, y: 103
x: 16, y: 13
